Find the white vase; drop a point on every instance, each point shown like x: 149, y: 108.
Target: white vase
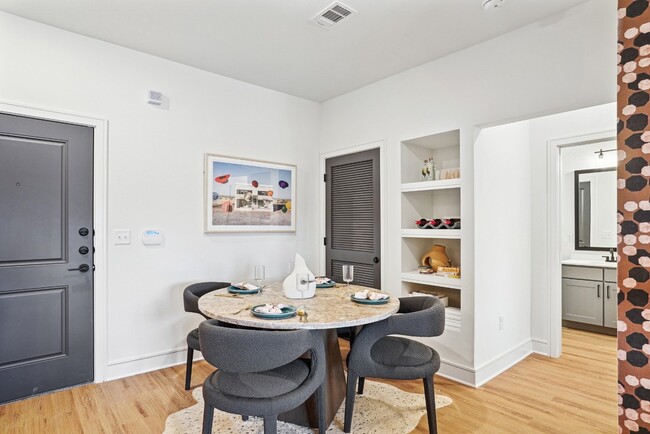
x: 290, y: 286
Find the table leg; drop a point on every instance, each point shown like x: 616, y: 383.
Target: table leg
x: 306, y: 414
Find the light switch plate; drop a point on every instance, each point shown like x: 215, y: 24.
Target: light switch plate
x: 122, y: 236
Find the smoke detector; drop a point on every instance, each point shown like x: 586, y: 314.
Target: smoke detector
x: 489, y: 5
x: 333, y: 14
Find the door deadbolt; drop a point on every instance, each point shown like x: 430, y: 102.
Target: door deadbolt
x: 83, y: 232
x: 83, y: 250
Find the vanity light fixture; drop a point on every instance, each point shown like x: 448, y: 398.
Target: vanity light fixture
x: 601, y: 153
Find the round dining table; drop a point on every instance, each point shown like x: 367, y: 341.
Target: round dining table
x: 330, y: 309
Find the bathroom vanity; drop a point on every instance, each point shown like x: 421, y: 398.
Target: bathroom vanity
x: 589, y: 298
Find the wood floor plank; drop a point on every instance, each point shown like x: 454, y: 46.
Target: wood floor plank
x: 573, y: 394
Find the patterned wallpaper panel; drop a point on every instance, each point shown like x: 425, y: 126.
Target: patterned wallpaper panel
x: 633, y: 216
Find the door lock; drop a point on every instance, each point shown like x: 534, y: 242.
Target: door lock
x: 375, y: 260
x: 82, y: 268
x: 83, y: 232
x: 83, y: 250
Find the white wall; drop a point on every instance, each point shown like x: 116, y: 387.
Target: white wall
x: 581, y: 158
x: 155, y: 156
x: 502, y: 236
x: 155, y: 180
x: 564, y: 125
x: 564, y: 62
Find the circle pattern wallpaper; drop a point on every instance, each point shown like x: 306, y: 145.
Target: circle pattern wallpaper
x: 633, y: 216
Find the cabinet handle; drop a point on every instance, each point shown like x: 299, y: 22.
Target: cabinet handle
x: 598, y: 291
x: 608, y: 292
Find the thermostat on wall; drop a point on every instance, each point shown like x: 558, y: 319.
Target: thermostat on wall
x: 152, y: 237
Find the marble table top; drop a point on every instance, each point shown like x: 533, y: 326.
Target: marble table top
x: 329, y: 308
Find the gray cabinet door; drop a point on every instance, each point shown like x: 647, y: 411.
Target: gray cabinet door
x: 582, y: 301
x: 611, y: 305
x: 46, y: 256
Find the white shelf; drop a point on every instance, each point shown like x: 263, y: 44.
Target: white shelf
x: 441, y: 184
x: 430, y: 279
x: 442, y: 234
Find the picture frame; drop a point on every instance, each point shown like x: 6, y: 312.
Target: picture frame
x: 246, y: 195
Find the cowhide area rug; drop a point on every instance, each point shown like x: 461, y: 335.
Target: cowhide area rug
x: 381, y: 409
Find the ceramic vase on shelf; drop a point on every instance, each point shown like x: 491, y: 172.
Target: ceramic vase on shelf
x: 436, y: 257
x: 290, y: 285
x: 429, y: 170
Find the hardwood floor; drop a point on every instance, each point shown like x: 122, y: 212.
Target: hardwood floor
x: 573, y: 394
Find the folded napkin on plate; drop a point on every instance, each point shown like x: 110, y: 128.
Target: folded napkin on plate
x: 323, y: 280
x: 365, y: 294
x: 270, y: 308
x: 244, y: 285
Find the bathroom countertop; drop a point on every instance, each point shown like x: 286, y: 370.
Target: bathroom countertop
x: 589, y: 263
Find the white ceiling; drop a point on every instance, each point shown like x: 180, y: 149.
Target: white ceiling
x: 272, y: 44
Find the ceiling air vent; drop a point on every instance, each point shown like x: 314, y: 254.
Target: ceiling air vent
x: 333, y: 14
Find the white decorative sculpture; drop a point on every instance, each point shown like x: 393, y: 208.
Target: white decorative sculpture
x: 290, y: 284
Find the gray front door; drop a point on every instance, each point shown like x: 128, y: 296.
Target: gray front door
x: 46, y: 256
x: 353, y: 217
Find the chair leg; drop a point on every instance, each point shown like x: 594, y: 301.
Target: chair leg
x: 188, y: 367
x: 271, y: 424
x: 320, y: 403
x: 362, y: 382
x: 208, y: 413
x: 430, y: 397
x: 349, y: 401
x: 244, y: 417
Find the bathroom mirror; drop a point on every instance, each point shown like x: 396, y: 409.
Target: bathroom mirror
x: 595, y: 209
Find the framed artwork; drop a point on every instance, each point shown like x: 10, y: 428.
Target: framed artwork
x: 249, y: 195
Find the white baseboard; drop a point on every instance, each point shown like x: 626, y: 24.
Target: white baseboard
x: 540, y: 346
x: 451, y: 370
x: 146, y: 363
x: 502, y: 362
x: 456, y: 372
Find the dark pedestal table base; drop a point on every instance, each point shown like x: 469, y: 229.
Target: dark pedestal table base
x: 306, y: 414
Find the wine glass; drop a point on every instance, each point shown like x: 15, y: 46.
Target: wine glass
x: 260, y: 273
x: 348, y: 274
x: 302, y: 283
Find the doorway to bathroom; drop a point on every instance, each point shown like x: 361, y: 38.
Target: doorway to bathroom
x: 587, y: 203
x: 522, y: 161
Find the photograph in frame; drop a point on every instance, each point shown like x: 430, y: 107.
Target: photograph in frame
x: 248, y: 195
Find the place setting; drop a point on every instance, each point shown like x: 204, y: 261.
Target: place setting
x: 245, y: 288
x: 370, y: 297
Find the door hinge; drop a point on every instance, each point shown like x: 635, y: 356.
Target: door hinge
x: 324, y: 241
x: 324, y: 177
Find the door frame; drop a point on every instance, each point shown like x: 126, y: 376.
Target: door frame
x: 100, y: 197
x: 553, y: 225
x: 381, y: 145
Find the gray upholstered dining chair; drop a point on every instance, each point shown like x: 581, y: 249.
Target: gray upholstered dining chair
x: 191, y: 296
x: 261, y: 373
x: 375, y: 354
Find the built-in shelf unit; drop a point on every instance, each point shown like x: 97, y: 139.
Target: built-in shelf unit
x: 439, y: 198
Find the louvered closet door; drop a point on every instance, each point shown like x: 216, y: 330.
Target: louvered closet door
x: 353, y: 229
